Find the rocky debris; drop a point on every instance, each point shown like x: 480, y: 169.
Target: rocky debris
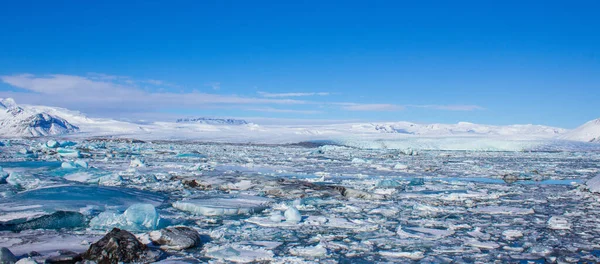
x: 197, y: 184
x: 120, y: 246
x: 6, y: 256
x: 176, y: 238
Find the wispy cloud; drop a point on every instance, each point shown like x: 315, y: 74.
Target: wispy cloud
x: 371, y: 107
x: 450, y: 107
x: 274, y: 95
x: 106, y: 93
x: 112, y: 95
x: 214, y: 85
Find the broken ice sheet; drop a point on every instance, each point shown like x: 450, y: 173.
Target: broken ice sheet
x: 439, y: 206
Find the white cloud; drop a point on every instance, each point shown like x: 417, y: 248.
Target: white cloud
x: 273, y: 95
x: 117, y: 96
x: 214, y: 85
x: 105, y: 94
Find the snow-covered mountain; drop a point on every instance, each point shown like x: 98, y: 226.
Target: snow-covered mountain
x: 460, y: 129
x: 17, y: 121
x: 588, y: 132
x: 213, y: 121
x: 31, y: 120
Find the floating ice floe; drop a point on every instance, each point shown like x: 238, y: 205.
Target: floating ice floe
x: 502, y: 210
x: 559, y: 223
x: 416, y: 255
x: 223, y: 205
x: 312, y: 251
x: 239, y: 253
x: 593, y: 185
x: 74, y: 164
x: 512, y: 234
x: 52, y: 144
x: 137, y: 163
x: 423, y: 233
x: 68, y: 153
x: 37, y: 207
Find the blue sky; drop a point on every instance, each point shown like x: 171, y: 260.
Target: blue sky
x: 492, y: 62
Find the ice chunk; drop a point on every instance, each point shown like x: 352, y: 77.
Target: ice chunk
x: 594, y: 184
x: 423, y: 233
x: 223, y: 205
x: 400, y: 166
x: 480, y: 244
x: 69, y: 165
x: 65, y: 144
x: 26, y: 261
x: 417, y: 255
x: 416, y: 182
x: 24, y: 181
x: 136, y: 163
x: 558, y: 223
x: 292, y: 215
x: 512, y: 234
x: 503, y: 210
x: 56, y: 220
x: 137, y: 217
x: 68, y: 153
x: 3, y: 176
x: 316, y: 251
x: 143, y: 215
x: 388, y: 184
x: 81, y: 164
x: 52, y: 144
x: 240, y: 253
x: 74, y: 198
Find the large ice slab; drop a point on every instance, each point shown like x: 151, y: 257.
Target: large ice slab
x: 223, y: 205
x: 33, y: 204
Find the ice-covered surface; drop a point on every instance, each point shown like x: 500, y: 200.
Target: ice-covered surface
x: 303, y: 202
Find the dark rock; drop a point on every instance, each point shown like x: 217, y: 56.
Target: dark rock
x: 6, y: 256
x: 120, y: 246
x: 177, y: 238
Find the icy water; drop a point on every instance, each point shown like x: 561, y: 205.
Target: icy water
x: 303, y: 203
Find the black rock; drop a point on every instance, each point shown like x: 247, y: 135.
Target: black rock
x: 120, y: 246
x: 6, y: 256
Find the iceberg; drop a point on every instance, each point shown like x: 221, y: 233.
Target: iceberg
x: 52, y: 144
x: 38, y: 203
x: 137, y: 217
x: 68, y: 153
x: 292, y: 215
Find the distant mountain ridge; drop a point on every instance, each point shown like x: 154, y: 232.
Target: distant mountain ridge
x: 588, y: 132
x: 213, y: 121
x: 35, y: 120
x: 16, y: 121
